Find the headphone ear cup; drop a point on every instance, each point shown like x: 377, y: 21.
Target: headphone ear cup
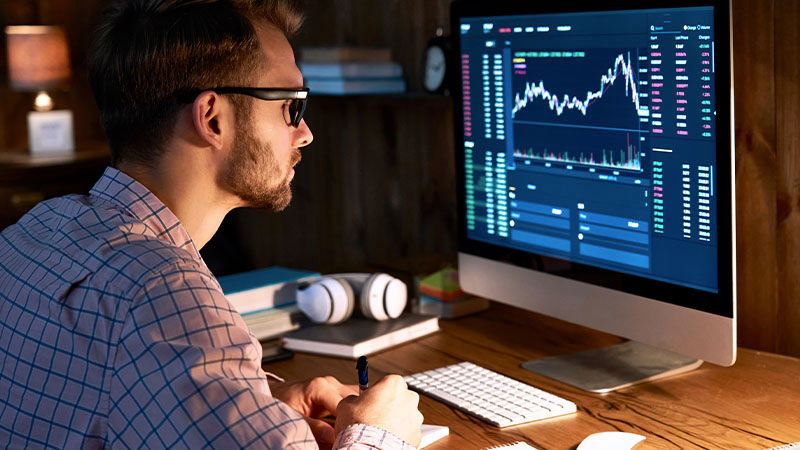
x: 326, y: 301
x: 383, y: 297
x: 314, y: 301
x: 395, y: 298
x: 349, y: 300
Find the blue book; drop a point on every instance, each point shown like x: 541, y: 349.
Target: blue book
x: 262, y: 289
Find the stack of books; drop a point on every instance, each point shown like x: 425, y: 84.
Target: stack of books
x: 440, y: 294
x: 351, y: 71
x: 265, y: 298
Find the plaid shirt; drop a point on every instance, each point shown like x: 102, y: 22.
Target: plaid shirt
x: 114, y: 333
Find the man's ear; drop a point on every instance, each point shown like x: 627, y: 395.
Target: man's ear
x: 208, y: 111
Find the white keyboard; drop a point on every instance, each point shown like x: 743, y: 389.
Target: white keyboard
x: 487, y: 395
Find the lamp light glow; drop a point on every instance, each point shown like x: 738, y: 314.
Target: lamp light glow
x: 38, y: 60
x: 43, y: 102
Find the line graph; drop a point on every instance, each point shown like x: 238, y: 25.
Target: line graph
x: 598, y: 130
x: 621, y: 67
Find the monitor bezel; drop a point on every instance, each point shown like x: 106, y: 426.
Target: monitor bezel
x: 721, y: 303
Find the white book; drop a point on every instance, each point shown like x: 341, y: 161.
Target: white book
x: 352, y: 69
x: 274, y: 322
x: 262, y: 289
x: 357, y: 337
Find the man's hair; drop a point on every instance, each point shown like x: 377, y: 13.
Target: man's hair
x: 146, y: 52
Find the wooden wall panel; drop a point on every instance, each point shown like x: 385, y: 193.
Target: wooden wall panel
x: 755, y: 172
x: 374, y: 190
x: 414, y: 184
x: 787, y: 120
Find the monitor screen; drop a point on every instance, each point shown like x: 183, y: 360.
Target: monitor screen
x: 595, y: 145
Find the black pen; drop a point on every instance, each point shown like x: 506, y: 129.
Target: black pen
x: 363, y: 376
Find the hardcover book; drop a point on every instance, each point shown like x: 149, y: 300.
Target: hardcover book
x: 359, y: 336
x: 274, y: 322
x: 262, y: 289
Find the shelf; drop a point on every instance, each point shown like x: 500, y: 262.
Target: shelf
x: 405, y: 98
x: 87, y: 152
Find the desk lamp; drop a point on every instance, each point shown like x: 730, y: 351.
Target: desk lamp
x: 38, y: 60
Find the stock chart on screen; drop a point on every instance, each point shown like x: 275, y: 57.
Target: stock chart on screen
x: 590, y: 137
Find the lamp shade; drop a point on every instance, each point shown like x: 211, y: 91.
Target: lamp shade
x: 37, y: 57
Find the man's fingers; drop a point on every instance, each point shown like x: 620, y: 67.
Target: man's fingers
x: 326, y: 393
x: 322, y: 431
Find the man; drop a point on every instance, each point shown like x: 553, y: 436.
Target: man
x: 113, y: 332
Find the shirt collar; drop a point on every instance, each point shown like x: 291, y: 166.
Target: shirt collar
x: 137, y: 201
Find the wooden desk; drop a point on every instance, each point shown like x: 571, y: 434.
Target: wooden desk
x: 754, y: 404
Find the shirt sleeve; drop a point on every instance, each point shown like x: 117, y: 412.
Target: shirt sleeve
x: 366, y: 437
x: 187, y: 374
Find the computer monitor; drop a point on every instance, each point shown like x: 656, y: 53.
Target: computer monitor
x: 595, y: 173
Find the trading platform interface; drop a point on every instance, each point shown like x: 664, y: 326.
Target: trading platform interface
x: 591, y: 137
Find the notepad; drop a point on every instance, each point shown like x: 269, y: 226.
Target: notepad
x: 513, y: 446
x: 432, y: 433
x: 794, y: 445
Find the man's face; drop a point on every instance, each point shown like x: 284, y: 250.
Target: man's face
x: 266, y: 148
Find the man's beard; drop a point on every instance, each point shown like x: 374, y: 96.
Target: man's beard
x: 252, y: 172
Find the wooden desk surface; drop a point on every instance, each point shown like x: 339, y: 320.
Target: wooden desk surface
x: 754, y: 404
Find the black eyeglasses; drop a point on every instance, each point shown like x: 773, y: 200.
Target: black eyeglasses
x: 297, y: 98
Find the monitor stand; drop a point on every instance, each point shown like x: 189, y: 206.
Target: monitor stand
x: 611, y: 368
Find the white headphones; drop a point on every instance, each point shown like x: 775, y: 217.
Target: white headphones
x: 331, y: 299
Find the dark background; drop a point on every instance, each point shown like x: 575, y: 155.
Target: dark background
x: 375, y: 190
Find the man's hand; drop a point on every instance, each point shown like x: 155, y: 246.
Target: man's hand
x: 313, y: 399
x: 388, y: 405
